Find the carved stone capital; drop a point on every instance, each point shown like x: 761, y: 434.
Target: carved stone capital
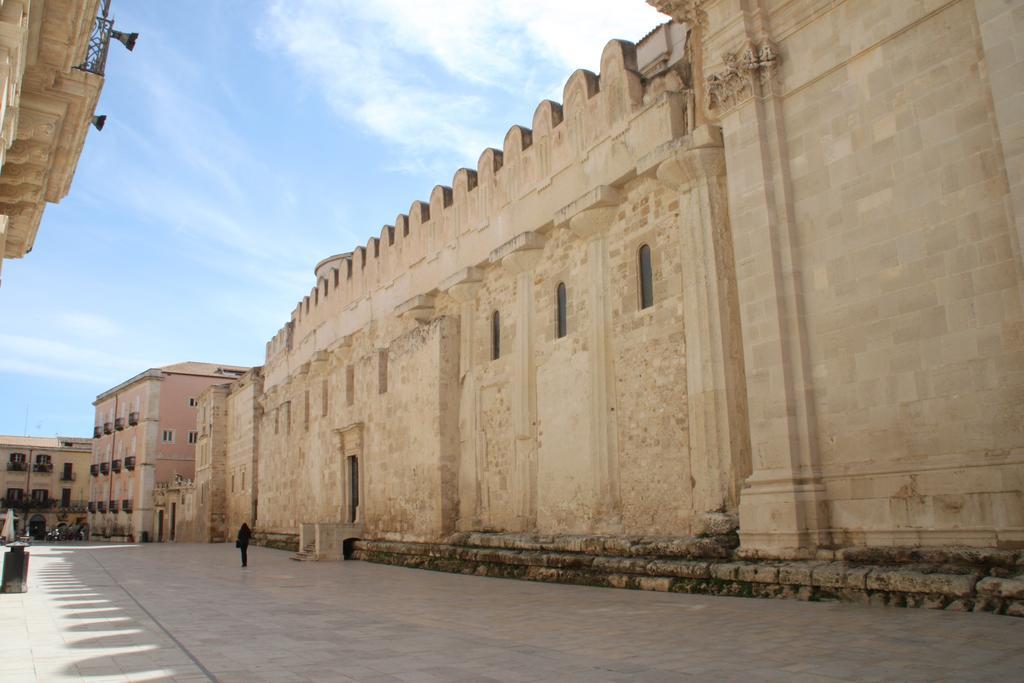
x: 419, y: 308
x: 463, y: 284
x: 592, y: 223
x: 591, y: 214
x: 692, y: 165
x: 684, y: 11
x: 520, y: 253
x: 748, y: 72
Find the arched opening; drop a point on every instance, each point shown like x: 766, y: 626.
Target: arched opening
x: 561, y: 318
x: 348, y: 547
x: 646, y: 274
x: 495, y: 336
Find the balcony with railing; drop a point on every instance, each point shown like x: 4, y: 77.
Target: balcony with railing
x: 108, y: 427
x: 17, y: 467
x: 73, y: 506
x: 126, y: 505
x: 115, y: 465
x: 13, y: 502
x: 129, y: 462
x: 94, y: 470
x: 43, y: 467
x: 67, y: 476
x: 104, y: 468
x: 97, y: 432
x: 119, y: 424
x: 133, y: 418
x: 113, y: 506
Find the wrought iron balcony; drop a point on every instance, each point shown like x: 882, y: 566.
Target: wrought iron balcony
x: 94, y: 470
x: 97, y: 432
x: 44, y: 467
x: 126, y: 505
x: 119, y: 423
x: 113, y: 506
x: 101, y: 507
x: 129, y: 462
x: 133, y: 418
x: 17, y: 467
x: 73, y: 506
x: 104, y: 468
x: 91, y: 507
x: 115, y: 465
x: 67, y: 476
x: 108, y: 427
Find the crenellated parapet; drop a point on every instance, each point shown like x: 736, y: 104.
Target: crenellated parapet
x: 593, y: 138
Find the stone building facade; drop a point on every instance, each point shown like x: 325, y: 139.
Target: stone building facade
x: 752, y: 295
x: 145, y: 435
x: 226, y: 465
x: 45, y: 110
x: 45, y: 481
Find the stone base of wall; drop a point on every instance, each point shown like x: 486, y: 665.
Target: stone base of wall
x: 957, y: 579
x: 277, y: 541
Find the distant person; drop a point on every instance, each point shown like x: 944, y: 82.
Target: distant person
x: 244, y: 534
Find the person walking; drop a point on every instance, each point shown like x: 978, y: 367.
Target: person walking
x: 244, y: 534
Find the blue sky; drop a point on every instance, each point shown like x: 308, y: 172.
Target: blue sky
x: 245, y: 141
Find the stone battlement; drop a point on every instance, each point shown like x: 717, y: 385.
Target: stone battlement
x: 605, y: 123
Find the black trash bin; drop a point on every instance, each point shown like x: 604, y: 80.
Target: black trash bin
x: 15, y: 578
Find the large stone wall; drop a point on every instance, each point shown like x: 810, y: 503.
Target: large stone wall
x: 834, y: 356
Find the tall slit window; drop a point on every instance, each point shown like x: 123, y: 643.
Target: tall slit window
x: 495, y: 336
x: 646, y: 277
x: 561, y: 326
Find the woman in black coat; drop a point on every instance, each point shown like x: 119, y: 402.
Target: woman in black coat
x: 243, y: 542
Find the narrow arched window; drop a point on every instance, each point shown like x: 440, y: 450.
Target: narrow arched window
x: 495, y: 336
x: 560, y: 316
x: 646, y: 277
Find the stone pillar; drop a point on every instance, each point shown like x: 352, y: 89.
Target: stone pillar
x: 1002, y: 35
x: 589, y: 218
x: 717, y: 421
x: 463, y: 287
x: 782, y: 506
x: 519, y: 257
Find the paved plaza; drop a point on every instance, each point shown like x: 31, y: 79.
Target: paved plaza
x: 190, y: 613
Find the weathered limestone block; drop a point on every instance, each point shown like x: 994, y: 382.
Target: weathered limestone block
x: 839, y: 576
x: 726, y: 571
x: 758, y: 573
x: 680, y: 568
x: 655, y: 583
x: 797, y: 574
x: 992, y: 586
x: 625, y: 565
x: 906, y: 581
x: 715, y: 524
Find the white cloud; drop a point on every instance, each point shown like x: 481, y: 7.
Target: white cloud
x: 374, y: 61
x: 40, y: 357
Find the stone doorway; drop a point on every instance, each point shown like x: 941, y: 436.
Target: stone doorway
x: 348, y: 546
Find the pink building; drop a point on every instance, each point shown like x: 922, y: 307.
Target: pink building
x: 144, y: 436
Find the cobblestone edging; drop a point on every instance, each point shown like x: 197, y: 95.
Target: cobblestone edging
x: 288, y: 542
x: 966, y: 581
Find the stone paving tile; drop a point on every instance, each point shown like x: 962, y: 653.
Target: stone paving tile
x: 152, y: 612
